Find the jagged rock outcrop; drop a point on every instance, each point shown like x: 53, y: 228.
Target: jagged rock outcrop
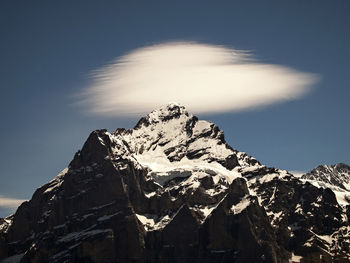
x: 172, y: 190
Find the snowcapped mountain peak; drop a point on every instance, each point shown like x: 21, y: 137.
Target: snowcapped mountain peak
x: 166, y: 112
x: 171, y: 138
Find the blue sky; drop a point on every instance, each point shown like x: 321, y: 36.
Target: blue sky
x: 49, y: 48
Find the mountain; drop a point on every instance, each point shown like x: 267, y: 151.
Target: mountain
x: 333, y: 176
x: 173, y: 190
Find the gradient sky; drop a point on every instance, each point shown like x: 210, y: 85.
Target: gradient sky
x: 49, y: 48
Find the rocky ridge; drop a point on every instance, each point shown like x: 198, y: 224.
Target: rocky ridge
x: 173, y: 190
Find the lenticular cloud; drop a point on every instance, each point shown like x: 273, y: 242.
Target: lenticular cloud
x: 204, y: 78
x: 10, y: 202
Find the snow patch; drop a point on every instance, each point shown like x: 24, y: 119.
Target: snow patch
x: 147, y: 220
x: 164, y: 177
x: 149, y: 195
x: 206, y: 210
x: 295, y: 258
x: 243, y: 204
x: 201, y: 127
x: 57, y: 181
x: 153, y: 222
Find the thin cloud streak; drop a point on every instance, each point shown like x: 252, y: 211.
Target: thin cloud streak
x: 204, y: 78
x: 9, y: 202
x: 298, y: 173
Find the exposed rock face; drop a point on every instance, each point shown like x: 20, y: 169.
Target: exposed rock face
x: 172, y: 190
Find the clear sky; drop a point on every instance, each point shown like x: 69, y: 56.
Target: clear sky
x: 49, y: 48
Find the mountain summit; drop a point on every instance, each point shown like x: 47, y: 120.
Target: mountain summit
x: 172, y: 190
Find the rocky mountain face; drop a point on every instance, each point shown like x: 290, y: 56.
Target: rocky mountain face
x: 333, y: 176
x: 172, y: 190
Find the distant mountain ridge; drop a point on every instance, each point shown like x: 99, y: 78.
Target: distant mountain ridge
x: 173, y: 190
x: 337, y: 175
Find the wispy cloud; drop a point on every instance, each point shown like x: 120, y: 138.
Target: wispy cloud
x: 298, y: 173
x: 204, y: 78
x: 9, y: 202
